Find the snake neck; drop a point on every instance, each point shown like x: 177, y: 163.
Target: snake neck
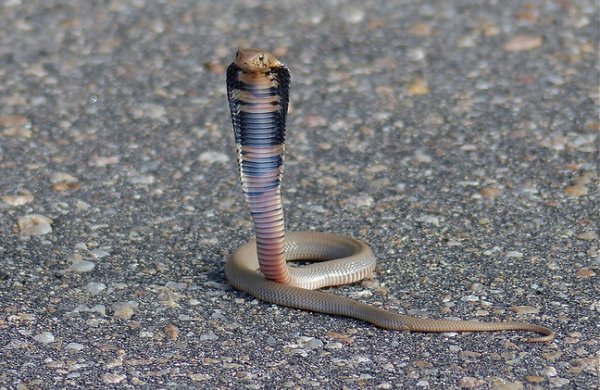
x: 257, y: 89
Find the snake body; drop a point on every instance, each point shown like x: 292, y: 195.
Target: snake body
x: 258, y: 90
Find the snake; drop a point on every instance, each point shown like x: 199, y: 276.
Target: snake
x: 258, y: 87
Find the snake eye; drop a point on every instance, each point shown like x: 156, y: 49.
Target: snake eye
x: 261, y: 57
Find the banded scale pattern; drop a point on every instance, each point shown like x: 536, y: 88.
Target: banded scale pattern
x: 257, y: 89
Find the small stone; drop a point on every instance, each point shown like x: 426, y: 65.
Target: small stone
x: 81, y: 205
x: 212, y: 157
x: 534, y: 379
x: 549, y: 371
x: 576, y: 190
x: 8, y: 121
x: 359, y: 201
x: 556, y: 141
x: 199, y: 377
x: 551, y: 356
x: 124, y: 310
x: 362, y: 359
x: 81, y: 308
x: 310, y: 343
x: 177, y: 285
x: 585, y: 273
x: 141, y: 179
x: 64, y: 182
x: 466, y: 41
x: 313, y: 121
x: 364, y: 294
x: 271, y: 341
x: 559, y: 382
x: 99, y: 253
x: 27, y: 317
x: 352, y: 14
x: 82, y: 266
x: 453, y: 243
x: 417, y: 87
x: 98, y: 161
x: 588, y: 236
x: 514, y: 255
x: 484, y: 221
x: 113, y: 378
x: 149, y: 110
x: 489, y: 29
x: 552, y: 265
x: 82, y: 246
x: 172, y: 332
x: 62, y: 187
x: 421, y: 157
x: 468, y: 382
x: 95, y: 288
x: 328, y: 181
x: 524, y: 309
x: 422, y: 364
x: 507, y: 344
x: 333, y: 345
x: 209, y: 336
x: 420, y: 30
x: 501, y: 384
x: 522, y: 43
x: 470, y: 355
x: 341, y: 337
x: 74, y: 346
x: 584, y: 178
x: 490, y: 193
x: 100, y: 309
x: 34, y: 225
x: 15, y: 126
x: 591, y: 364
x: 44, y: 338
x: 528, y: 13
x: 214, y: 67
x: 428, y: 219
x: 21, y: 198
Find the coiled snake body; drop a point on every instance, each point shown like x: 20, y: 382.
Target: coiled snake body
x: 257, y: 89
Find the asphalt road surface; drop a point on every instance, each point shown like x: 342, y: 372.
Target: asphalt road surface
x: 460, y: 139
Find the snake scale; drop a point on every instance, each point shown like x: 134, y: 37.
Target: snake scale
x: 258, y: 94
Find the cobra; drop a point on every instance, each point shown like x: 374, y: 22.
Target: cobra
x: 258, y: 90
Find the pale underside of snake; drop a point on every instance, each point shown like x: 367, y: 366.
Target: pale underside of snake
x: 258, y: 90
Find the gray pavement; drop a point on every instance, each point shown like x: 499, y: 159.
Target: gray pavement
x: 460, y: 139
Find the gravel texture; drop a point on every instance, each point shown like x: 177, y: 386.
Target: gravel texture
x: 459, y: 138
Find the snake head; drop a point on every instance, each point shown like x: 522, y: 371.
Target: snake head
x: 256, y: 60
